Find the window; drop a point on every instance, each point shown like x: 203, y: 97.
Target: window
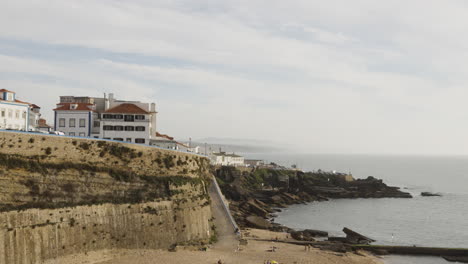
x: 140, y: 117
x: 129, y: 118
x: 118, y: 139
x: 140, y: 140
x: 3, y: 112
x: 107, y: 116
x: 118, y: 128
x: 24, y: 115
x: 97, y: 123
x: 71, y: 122
x: 62, y: 122
x: 129, y: 128
x: 10, y: 113
x: 82, y: 122
x: 82, y: 134
x: 108, y: 127
x: 118, y: 116
x: 17, y: 114
x: 129, y: 140
x: 10, y: 97
x: 140, y: 128
x: 106, y: 138
x: 71, y: 134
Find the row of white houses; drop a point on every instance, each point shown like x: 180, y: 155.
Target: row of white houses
x: 99, y: 117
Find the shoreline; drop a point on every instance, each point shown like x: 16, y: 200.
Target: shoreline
x: 253, y: 253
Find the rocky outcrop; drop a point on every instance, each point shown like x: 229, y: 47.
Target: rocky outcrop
x: 260, y: 192
x: 257, y: 222
x: 308, y: 234
x: 429, y: 194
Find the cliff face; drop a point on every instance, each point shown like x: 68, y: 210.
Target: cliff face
x: 61, y: 196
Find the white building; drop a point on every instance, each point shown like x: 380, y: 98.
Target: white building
x: 225, y: 159
x: 164, y: 141
x: 43, y: 126
x: 34, y: 117
x: 128, y: 122
x: 253, y: 162
x: 75, y: 119
x: 16, y: 114
x: 107, y: 118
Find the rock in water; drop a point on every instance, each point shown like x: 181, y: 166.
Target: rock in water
x: 356, y: 238
x: 430, y: 194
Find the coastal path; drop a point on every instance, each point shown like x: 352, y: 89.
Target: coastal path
x: 224, y: 222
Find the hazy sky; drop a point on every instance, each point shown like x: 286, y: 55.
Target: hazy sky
x: 360, y: 76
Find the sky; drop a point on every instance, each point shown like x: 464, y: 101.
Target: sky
x: 332, y: 76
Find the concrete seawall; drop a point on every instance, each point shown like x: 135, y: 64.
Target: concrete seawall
x: 62, y: 196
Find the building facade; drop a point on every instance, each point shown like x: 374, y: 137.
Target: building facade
x: 126, y: 122
x: 107, y: 118
x: 16, y: 114
x: 225, y: 159
x: 164, y: 141
x: 75, y: 119
x: 253, y: 162
x: 43, y: 126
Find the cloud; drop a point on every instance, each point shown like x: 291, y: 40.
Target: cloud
x: 324, y: 76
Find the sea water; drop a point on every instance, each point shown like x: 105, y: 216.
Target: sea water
x: 421, y: 221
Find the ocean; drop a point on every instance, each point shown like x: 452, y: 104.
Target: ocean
x: 422, y: 221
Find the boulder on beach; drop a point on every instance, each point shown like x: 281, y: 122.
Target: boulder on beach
x: 308, y: 234
x: 257, y: 222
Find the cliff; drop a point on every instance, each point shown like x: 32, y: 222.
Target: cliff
x: 61, y: 196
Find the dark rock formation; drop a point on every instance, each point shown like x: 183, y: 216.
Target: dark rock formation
x: 308, y: 234
x: 260, y: 192
x: 353, y: 237
x: 257, y: 222
x: 430, y: 194
x: 459, y: 259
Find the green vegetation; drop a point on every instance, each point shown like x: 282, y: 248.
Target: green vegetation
x: 168, y: 161
x: 48, y: 151
x: 84, y: 145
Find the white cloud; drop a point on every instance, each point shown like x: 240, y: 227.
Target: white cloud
x: 332, y: 75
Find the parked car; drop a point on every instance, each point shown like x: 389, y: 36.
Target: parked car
x: 60, y: 133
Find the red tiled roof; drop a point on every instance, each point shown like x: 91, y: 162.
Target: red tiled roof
x: 127, y: 108
x: 164, y: 136
x: 35, y: 106
x: 5, y: 91
x: 80, y: 107
x: 21, y: 102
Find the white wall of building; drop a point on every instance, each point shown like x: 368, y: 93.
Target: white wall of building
x: 125, y: 135
x: 14, y: 116
x: 64, y: 124
x: 227, y: 160
x: 34, y: 117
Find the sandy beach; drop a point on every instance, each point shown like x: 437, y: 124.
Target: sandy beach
x: 255, y: 252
